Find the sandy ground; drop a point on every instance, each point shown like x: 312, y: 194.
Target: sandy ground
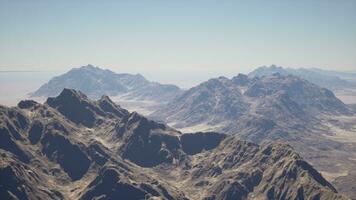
x: 330, y: 176
x: 143, y: 107
x: 197, y: 128
x: 347, y: 96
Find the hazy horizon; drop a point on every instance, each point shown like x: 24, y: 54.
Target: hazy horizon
x: 173, y: 42
x: 18, y: 84
x: 182, y: 78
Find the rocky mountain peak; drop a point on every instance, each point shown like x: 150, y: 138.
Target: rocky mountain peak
x: 107, y: 105
x: 323, y: 78
x: 106, y: 98
x: 68, y: 97
x: 95, y: 82
x: 104, y: 151
x: 24, y: 104
x: 273, y: 66
x: 88, y: 66
x: 273, y: 97
x: 75, y: 106
x: 240, y: 79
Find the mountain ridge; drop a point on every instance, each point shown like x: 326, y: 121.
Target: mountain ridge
x: 129, y: 156
x: 95, y: 82
x: 329, y: 79
x: 228, y: 99
x: 276, y: 107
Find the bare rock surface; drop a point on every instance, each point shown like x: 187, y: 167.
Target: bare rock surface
x: 49, y: 151
x: 95, y: 82
x: 274, y: 107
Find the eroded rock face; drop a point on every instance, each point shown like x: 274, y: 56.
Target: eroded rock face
x: 35, y: 133
x: 109, y: 106
x: 241, y: 79
x: 110, y: 185
x: 46, y: 154
x: 75, y: 106
x: 25, y: 104
x: 212, y: 98
x: 223, y: 102
x: 281, y: 174
x: 98, y: 155
x: 10, y: 183
x: 73, y: 160
x: 273, y: 107
x: 197, y: 142
x: 20, y: 181
x: 146, y: 145
x: 309, y: 97
x: 7, y: 143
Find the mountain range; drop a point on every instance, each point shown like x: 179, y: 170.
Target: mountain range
x: 72, y: 147
x: 288, y: 100
x: 334, y: 80
x: 275, y: 107
x: 96, y: 82
x: 258, y: 107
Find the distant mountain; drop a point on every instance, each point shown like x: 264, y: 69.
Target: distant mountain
x: 96, y: 82
x: 286, y: 99
x: 276, y: 107
x: 72, y: 147
x: 329, y: 79
x: 343, y: 75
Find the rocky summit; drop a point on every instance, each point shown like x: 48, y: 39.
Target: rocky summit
x: 274, y: 107
x: 72, y: 147
x: 218, y: 101
x: 95, y: 82
x: 330, y: 79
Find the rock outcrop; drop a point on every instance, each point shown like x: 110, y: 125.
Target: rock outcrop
x: 48, y: 151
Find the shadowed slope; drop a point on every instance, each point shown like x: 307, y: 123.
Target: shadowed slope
x: 124, y: 155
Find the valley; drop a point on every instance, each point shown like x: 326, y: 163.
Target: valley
x: 274, y: 108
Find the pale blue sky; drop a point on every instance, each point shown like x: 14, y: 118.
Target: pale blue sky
x: 165, y: 37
